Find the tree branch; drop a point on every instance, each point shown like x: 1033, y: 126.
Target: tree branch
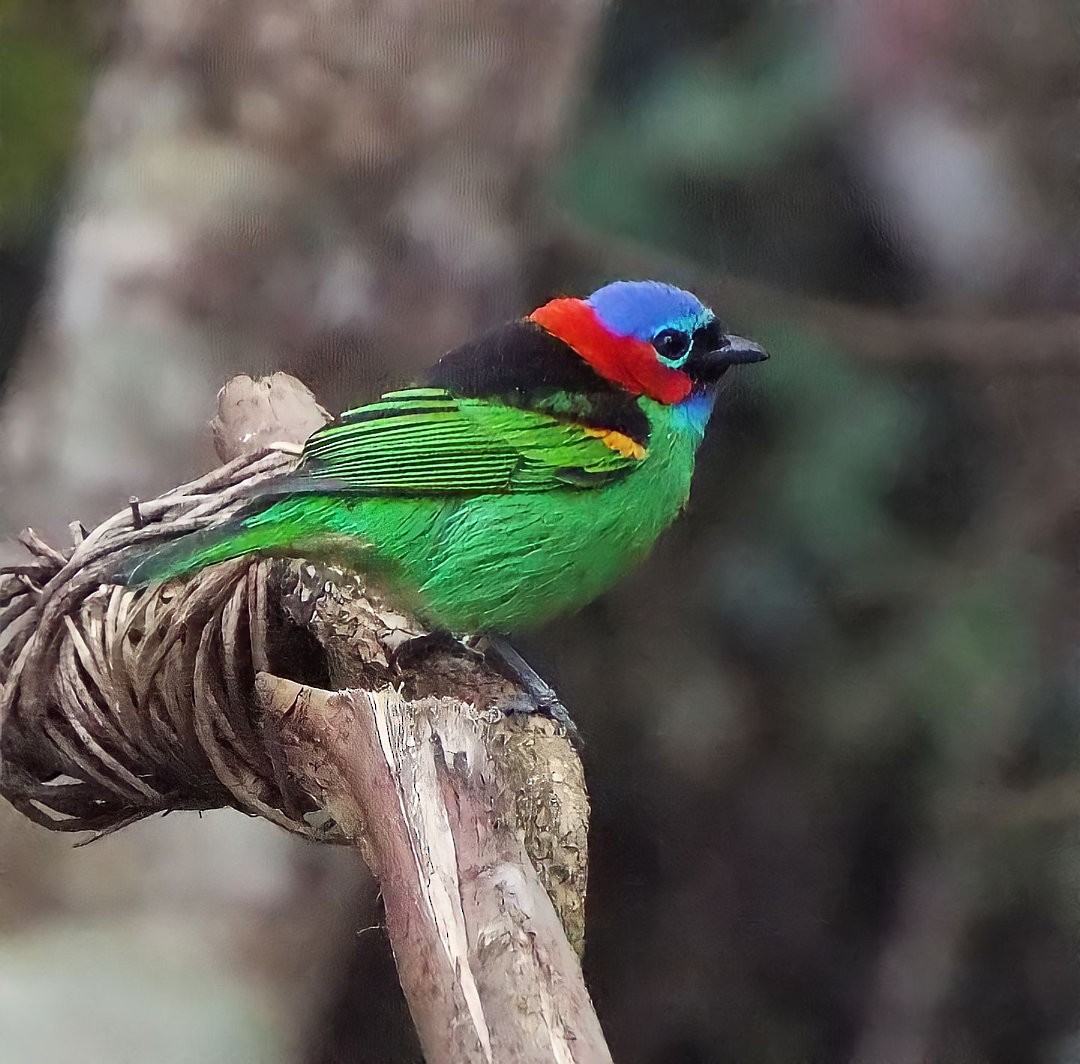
x: 484, y: 963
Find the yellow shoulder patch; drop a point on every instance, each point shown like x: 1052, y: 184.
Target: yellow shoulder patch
x: 619, y: 442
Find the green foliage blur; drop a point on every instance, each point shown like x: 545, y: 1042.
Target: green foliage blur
x: 45, y: 67
x: 44, y: 71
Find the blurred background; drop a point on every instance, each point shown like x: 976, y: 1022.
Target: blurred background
x: 833, y: 725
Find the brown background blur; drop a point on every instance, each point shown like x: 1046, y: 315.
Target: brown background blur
x: 833, y: 724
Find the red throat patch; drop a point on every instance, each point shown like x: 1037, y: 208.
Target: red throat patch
x: 620, y: 359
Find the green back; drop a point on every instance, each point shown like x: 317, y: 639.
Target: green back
x: 425, y: 441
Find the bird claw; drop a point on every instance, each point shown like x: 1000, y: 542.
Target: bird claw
x: 524, y: 704
x: 536, y: 695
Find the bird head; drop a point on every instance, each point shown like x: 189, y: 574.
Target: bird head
x: 650, y: 338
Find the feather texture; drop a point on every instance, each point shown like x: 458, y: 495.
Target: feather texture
x: 427, y: 442
x: 471, y: 557
x: 627, y: 361
x: 497, y: 561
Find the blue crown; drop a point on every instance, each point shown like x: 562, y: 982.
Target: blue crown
x: 643, y: 308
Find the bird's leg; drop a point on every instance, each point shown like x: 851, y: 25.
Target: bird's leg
x: 537, y: 696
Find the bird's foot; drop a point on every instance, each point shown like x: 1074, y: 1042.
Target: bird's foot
x: 536, y: 695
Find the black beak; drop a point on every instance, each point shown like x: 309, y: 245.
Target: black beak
x: 713, y: 352
x: 738, y: 351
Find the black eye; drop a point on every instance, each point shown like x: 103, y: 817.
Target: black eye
x: 671, y: 344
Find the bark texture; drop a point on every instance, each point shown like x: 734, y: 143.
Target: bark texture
x: 485, y: 965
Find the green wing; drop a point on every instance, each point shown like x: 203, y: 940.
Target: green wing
x: 424, y: 441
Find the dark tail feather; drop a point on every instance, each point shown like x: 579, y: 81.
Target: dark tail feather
x: 139, y: 566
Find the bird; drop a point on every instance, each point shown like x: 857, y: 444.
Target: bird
x: 531, y: 469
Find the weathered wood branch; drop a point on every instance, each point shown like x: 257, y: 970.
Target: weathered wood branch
x: 484, y: 963
x: 119, y: 703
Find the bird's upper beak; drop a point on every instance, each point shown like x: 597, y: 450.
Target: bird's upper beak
x: 737, y: 351
x: 714, y: 352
